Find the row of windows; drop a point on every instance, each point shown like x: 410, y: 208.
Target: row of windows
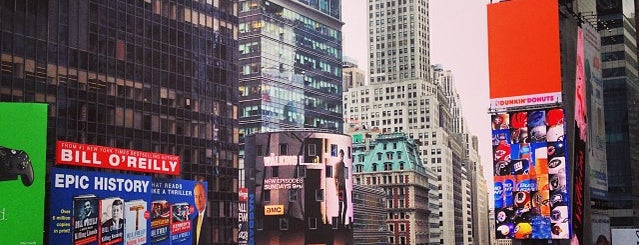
x: 395, y: 179
x: 284, y: 223
x: 311, y: 150
x: 293, y: 195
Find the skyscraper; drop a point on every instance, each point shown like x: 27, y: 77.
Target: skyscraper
x: 403, y: 96
x: 620, y: 95
x: 399, y: 41
x: 148, y: 75
x: 290, y: 65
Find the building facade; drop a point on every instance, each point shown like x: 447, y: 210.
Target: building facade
x: 392, y: 162
x: 300, y: 185
x: 155, y: 76
x: 290, y: 59
x: 369, y: 217
x: 620, y: 93
x: 353, y: 75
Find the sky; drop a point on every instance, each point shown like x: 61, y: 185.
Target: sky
x: 458, y: 41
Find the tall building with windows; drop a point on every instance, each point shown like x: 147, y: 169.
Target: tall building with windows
x: 148, y: 75
x: 620, y: 95
x: 290, y: 60
x: 392, y: 162
x: 399, y: 40
x: 403, y: 96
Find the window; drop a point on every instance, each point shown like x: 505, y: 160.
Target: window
x: 301, y: 171
x: 283, y: 224
x: 335, y: 222
x: 283, y: 149
x: 312, y: 150
x: 333, y: 150
x: 329, y: 171
x: 312, y: 223
x: 319, y: 195
x: 259, y: 150
x: 266, y: 195
x: 391, y: 227
x: 292, y: 195
x: 402, y: 227
x: 275, y: 170
x: 259, y: 224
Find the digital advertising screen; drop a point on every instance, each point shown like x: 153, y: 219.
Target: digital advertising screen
x: 531, y: 190
x: 523, y: 51
x: 301, y: 188
x: 23, y: 145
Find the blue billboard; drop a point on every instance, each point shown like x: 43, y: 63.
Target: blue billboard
x: 98, y: 208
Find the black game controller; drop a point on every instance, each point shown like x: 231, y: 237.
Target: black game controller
x: 14, y: 163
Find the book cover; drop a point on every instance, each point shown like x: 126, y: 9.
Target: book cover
x: 160, y: 220
x: 135, y: 227
x: 180, y: 222
x: 111, y: 229
x: 85, y: 219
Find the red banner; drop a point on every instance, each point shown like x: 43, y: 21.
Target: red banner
x: 70, y: 153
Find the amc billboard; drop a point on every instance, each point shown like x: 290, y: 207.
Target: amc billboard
x: 301, y: 182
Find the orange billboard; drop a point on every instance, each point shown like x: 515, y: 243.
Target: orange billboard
x: 523, y: 49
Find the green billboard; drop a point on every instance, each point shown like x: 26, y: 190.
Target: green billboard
x: 23, y: 139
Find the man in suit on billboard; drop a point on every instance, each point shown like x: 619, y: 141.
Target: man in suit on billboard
x: 201, y: 226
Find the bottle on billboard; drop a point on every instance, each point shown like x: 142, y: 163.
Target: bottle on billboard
x: 509, y: 184
x: 499, y: 192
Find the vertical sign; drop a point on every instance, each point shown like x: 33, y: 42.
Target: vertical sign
x: 243, y: 215
x: 581, y: 132
x: 530, y: 175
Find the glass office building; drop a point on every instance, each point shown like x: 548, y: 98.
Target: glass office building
x: 620, y: 93
x: 148, y: 75
x: 290, y: 62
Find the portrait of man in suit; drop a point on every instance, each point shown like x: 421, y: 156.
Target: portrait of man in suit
x: 202, y: 228
x: 115, y: 224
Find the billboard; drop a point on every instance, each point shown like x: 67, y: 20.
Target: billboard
x: 579, y: 149
x: 625, y: 236
x: 84, y: 206
x: 243, y: 216
x: 179, y: 211
x: 596, y: 135
x: 299, y: 187
x: 23, y: 136
x: 107, y: 208
x: 94, y: 156
x: 530, y: 175
x: 523, y: 50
